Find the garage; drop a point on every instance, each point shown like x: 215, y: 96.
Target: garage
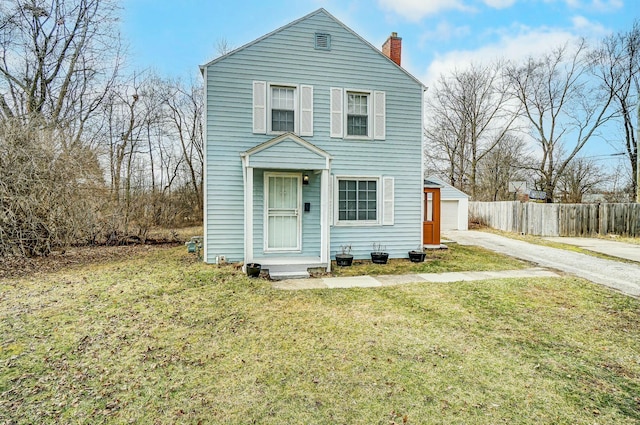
x: 454, y: 206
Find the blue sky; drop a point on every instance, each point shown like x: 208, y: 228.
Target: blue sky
x: 173, y: 37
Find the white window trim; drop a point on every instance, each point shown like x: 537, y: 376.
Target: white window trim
x: 370, y: 113
x: 336, y: 202
x: 296, y: 107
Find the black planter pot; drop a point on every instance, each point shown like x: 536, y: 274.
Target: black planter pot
x: 253, y: 269
x: 344, y: 260
x: 379, y: 257
x: 417, y: 256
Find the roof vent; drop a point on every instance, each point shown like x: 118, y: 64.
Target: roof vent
x: 323, y: 41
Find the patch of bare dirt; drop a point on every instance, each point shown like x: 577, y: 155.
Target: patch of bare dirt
x: 13, y: 267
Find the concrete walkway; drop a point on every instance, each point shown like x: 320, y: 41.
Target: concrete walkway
x: 623, y: 277
x: 389, y: 280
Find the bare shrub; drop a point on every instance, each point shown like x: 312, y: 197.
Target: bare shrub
x: 49, y: 195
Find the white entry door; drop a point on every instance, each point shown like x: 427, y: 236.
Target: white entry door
x: 282, y: 215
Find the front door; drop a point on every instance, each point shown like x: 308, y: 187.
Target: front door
x: 282, y: 212
x: 431, y: 223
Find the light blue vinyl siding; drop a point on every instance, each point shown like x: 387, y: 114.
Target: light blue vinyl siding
x: 288, y: 155
x: 289, y: 57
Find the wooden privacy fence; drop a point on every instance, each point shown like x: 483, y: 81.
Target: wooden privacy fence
x: 558, y: 219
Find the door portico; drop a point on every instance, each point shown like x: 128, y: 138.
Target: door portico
x: 280, y: 224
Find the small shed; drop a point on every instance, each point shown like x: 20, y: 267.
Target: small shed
x: 454, y: 206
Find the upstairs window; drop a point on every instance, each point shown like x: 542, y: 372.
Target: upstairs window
x: 357, y: 114
x: 282, y: 109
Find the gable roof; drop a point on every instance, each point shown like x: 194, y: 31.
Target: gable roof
x: 293, y: 153
x: 447, y: 191
x: 432, y: 185
x: 287, y: 136
x: 319, y: 11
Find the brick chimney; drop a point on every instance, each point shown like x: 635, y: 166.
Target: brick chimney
x: 392, y: 48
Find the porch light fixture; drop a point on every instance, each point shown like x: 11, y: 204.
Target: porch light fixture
x: 305, y: 179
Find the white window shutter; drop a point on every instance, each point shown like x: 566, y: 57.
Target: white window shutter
x: 332, y: 202
x: 379, y: 119
x: 260, y: 107
x: 387, y: 201
x: 306, y: 110
x: 336, y: 112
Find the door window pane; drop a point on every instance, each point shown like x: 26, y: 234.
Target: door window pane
x: 428, y: 206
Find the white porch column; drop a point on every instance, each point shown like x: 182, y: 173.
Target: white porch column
x: 325, y: 231
x: 248, y: 216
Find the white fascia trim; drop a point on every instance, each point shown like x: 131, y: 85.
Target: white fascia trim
x: 423, y: 155
x: 205, y: 192
x: 288, y: 136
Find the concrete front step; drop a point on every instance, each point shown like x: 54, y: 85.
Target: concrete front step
x: 284, y: 275
x: 287, y: 271
x: 283, y: 268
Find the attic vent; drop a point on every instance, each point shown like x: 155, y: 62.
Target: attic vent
x: 323, y: 41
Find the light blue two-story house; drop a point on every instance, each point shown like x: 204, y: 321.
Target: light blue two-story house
x: 313, y: 140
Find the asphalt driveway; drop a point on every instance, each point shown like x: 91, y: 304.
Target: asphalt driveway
x: 623, y: 277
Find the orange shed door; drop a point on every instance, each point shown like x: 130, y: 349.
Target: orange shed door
x: 431, y: 224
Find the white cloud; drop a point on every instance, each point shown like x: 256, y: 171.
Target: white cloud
x: 415, y: 10
x: 593, y: 5
x: 499, y: 4
x: 587, y: 28
x: 444, y: 31
x: 513, y: 44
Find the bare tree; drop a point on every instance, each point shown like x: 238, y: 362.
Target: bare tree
x: 580, y: 177
x: 223, y: 46
x: 57, y: 59
x: 562, y: 106
x: 155, y: 152
x: 445, y: 148
x: 616, y: 63
x: 470, y: 114
x: 185, y: 108
x: 504, y: 164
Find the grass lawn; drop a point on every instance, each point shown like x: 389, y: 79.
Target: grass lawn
x: 159, y: 338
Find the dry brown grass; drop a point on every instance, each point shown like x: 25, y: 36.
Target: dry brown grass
x: 161, y: 338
